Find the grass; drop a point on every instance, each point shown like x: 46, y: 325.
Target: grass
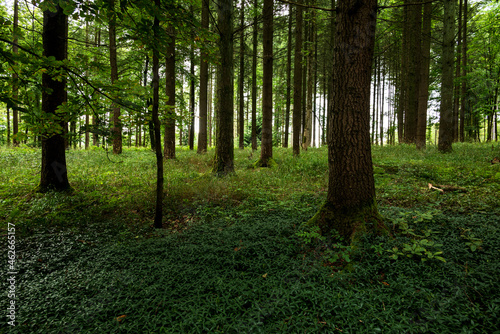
x: 230, y: 260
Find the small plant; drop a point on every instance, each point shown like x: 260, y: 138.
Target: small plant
x: 418, y: 248
x: 472, y: 241
x: 313, y: 235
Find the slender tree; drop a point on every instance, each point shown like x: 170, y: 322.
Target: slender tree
x: 350, y: 208
x: 288, y: 75
x: 202, y: 134
x: 191, y: 98
x: 446, y: 110
x: 224, y: 145
x: 15, y: 88
x: 254, y: 78
x: 241, y: 114
x: 156, y: 101
x: 169, y: 139
x: 423, y: 89
x: 53, y: 172
x: 297, y: 82
x: 267, y: 85
x: 113, y: 60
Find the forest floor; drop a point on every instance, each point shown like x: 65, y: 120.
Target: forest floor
x: 232, y: 257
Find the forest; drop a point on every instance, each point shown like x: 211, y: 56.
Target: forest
x: 256, y: 166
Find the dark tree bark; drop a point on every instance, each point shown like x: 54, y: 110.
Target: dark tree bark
x: 156, y: 101
x: 169, y: 139
x: 191, y: 99
x: 288, y: 76
x: 306, y: 142
x: 53, y: 172
x: 464, y: 72
x: 456, y: 94
x: 350, y: 207
x: 423, y: 90
x: 15, y: 88
x: 266, y: 153
x: 446, y: 110
x: 224, y: 145
x: 202, y: 135
x: 254, y: 79
x: 414, y: 31
x: 113, y: 60
x: 241, y: 80
x: 297, y: 83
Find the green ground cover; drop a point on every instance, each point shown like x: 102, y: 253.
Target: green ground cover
x: 233, y: 258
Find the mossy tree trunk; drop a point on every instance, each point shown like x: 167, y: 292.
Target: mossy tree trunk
x: 113, y: 60
x: 53, y: 173
x: 350, y: 207
x: 202, y: 135
x: 224, y: 145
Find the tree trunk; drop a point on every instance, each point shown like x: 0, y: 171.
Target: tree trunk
x: 423, y: 90
x: 403, y: 91
x: 53, y: 172
x: 288, y: 76
x: 202, y: 134
x: 169, y: 139
x: 113, y: 60
x: 254, y: 79
x: 156, y: 101
x: 241, y: 81
x: 266, y: 153
x: 464, y: 72
x: 297, y: 82
x: 191, y: 99
x: 446, y: 110
x: 309, y: 90
x: 15, y: 88
x: 350, y: 207
x: 224, y: 149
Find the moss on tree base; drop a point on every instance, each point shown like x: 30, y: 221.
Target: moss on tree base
x: 270, y: 163
x: 349, y: 223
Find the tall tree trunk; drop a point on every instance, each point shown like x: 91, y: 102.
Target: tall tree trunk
x: 446, y: 112
x: 254, y: 79
x: 224, y: 150
x: 297, y: 82
x: 309, y: 92
x: 113, y: 60
x: 464, y: 72
x: 241, y: 81
x: 288, y: 76
x: 415, y: 27
x: 8, y: 126
x: 15, y: 87
x: 423, y: 89
x: 169, y: 139
x: 202, y: 134
x: 456, y: 94
x: 191, y: 99
x: 156, y: 101
x: 266, y: 153
x: 53, y: 172
x: 350, y: 207
x: 403, y: 92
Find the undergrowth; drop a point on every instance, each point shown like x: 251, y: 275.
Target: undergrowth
x: 231, y: 257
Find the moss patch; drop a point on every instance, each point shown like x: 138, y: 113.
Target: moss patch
x: 350, y: 223
x: 270, y: 163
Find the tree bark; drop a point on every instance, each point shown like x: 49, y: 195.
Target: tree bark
x: 169, y: 139
x: 254, y: 78
x: 113, y: 60
x: 191, y: 99
x: 288, y: 76
x: 156, y: 101
x: 423, y: 89
x: 464, y: 72
x: 297, y: 82
x: 15, y: 88
x: 350, y: 207
x: 309, y: 90
x: 446, y: 110
x: 202, y: 135
x: 241, y: 81
x: 224, y: 149
x: 53, y: 172
x: 266, y: 153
